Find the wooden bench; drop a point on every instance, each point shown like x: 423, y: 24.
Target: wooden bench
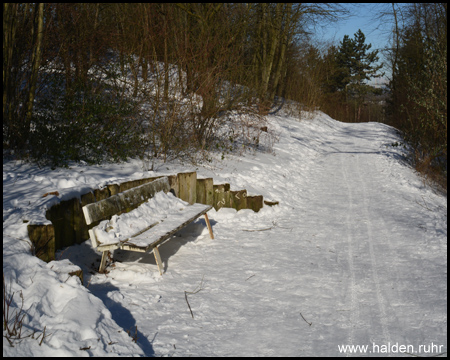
x: 144, y: 234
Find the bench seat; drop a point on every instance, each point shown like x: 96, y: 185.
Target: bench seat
x: 162, y: 227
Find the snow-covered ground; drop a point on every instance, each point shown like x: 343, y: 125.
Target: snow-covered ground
x: 355, y: 254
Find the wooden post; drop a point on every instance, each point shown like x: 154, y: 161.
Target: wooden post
x: 255, y: 202
x: 271, y: 203
x: 173, y: 183
x: 129, y: 185
x: 211, y: 235
x: 187, y: 187
x: 221, y: 196
x: 238, y: 199
x: 43, y: 239
x: 205, y: 191
x: 100, y: 194
x: 103, y: 261
x: 158, y: 260
x: 113, y: 189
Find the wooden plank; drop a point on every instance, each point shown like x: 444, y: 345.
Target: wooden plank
x: 124, y: 201
x: 101, y: 209
x: 118, y: 244
x: 93, y: 238
x: 144, y: 230
x: 155, y: 239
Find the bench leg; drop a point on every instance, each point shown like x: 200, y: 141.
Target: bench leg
x: 158, y: 260
x: 103, y: 261
x: 211, y: 235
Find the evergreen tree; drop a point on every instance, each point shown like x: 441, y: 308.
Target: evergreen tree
x: 344, y: 63
x: 355, y: 65
x: 362, y: 66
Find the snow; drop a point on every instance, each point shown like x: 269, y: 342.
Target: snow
x: 163, y: 212
x: 354, y: 254
x: 154, y: 211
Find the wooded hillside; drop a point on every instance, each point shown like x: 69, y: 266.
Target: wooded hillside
x: 99, y: 81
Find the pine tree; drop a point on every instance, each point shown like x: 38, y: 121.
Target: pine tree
x: 355, y: 65
x: 362, y: 66
x: 353, y: 68
x: 344, y: 63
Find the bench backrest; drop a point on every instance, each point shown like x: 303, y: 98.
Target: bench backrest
x: 124, y: 201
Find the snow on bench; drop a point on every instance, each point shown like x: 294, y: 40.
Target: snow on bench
x: 145, y: 227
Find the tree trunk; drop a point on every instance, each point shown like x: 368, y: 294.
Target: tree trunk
x: 273, y: 44
x: 284, y: 41
x: 9, y: 39
x: 36, y: 61
x: 166, y: 56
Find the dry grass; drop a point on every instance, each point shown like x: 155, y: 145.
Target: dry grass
x: 13, y: 320
x: 434, y: 175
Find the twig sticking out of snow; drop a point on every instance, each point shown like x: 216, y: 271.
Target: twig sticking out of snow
x: 135, y: 337
x: 270, y: 228
x: 200, y: 287
x: 13, y: 323
x: 309, y: 323
x: 258, y: 229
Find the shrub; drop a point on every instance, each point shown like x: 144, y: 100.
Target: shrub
x: 93, y: 122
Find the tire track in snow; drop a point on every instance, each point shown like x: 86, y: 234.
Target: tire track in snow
x: 380, y: 299
x: 354, y: 315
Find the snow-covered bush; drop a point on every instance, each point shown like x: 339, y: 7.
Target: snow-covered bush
x: 92, y: 122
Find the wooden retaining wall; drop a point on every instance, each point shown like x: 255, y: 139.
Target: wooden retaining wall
x: 69, y: 226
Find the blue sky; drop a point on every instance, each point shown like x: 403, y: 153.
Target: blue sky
x: 364, y: 16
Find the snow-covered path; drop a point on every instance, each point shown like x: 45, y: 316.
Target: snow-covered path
x: 377, y: 273
x: 340, y: 252
x: 355, y: 254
